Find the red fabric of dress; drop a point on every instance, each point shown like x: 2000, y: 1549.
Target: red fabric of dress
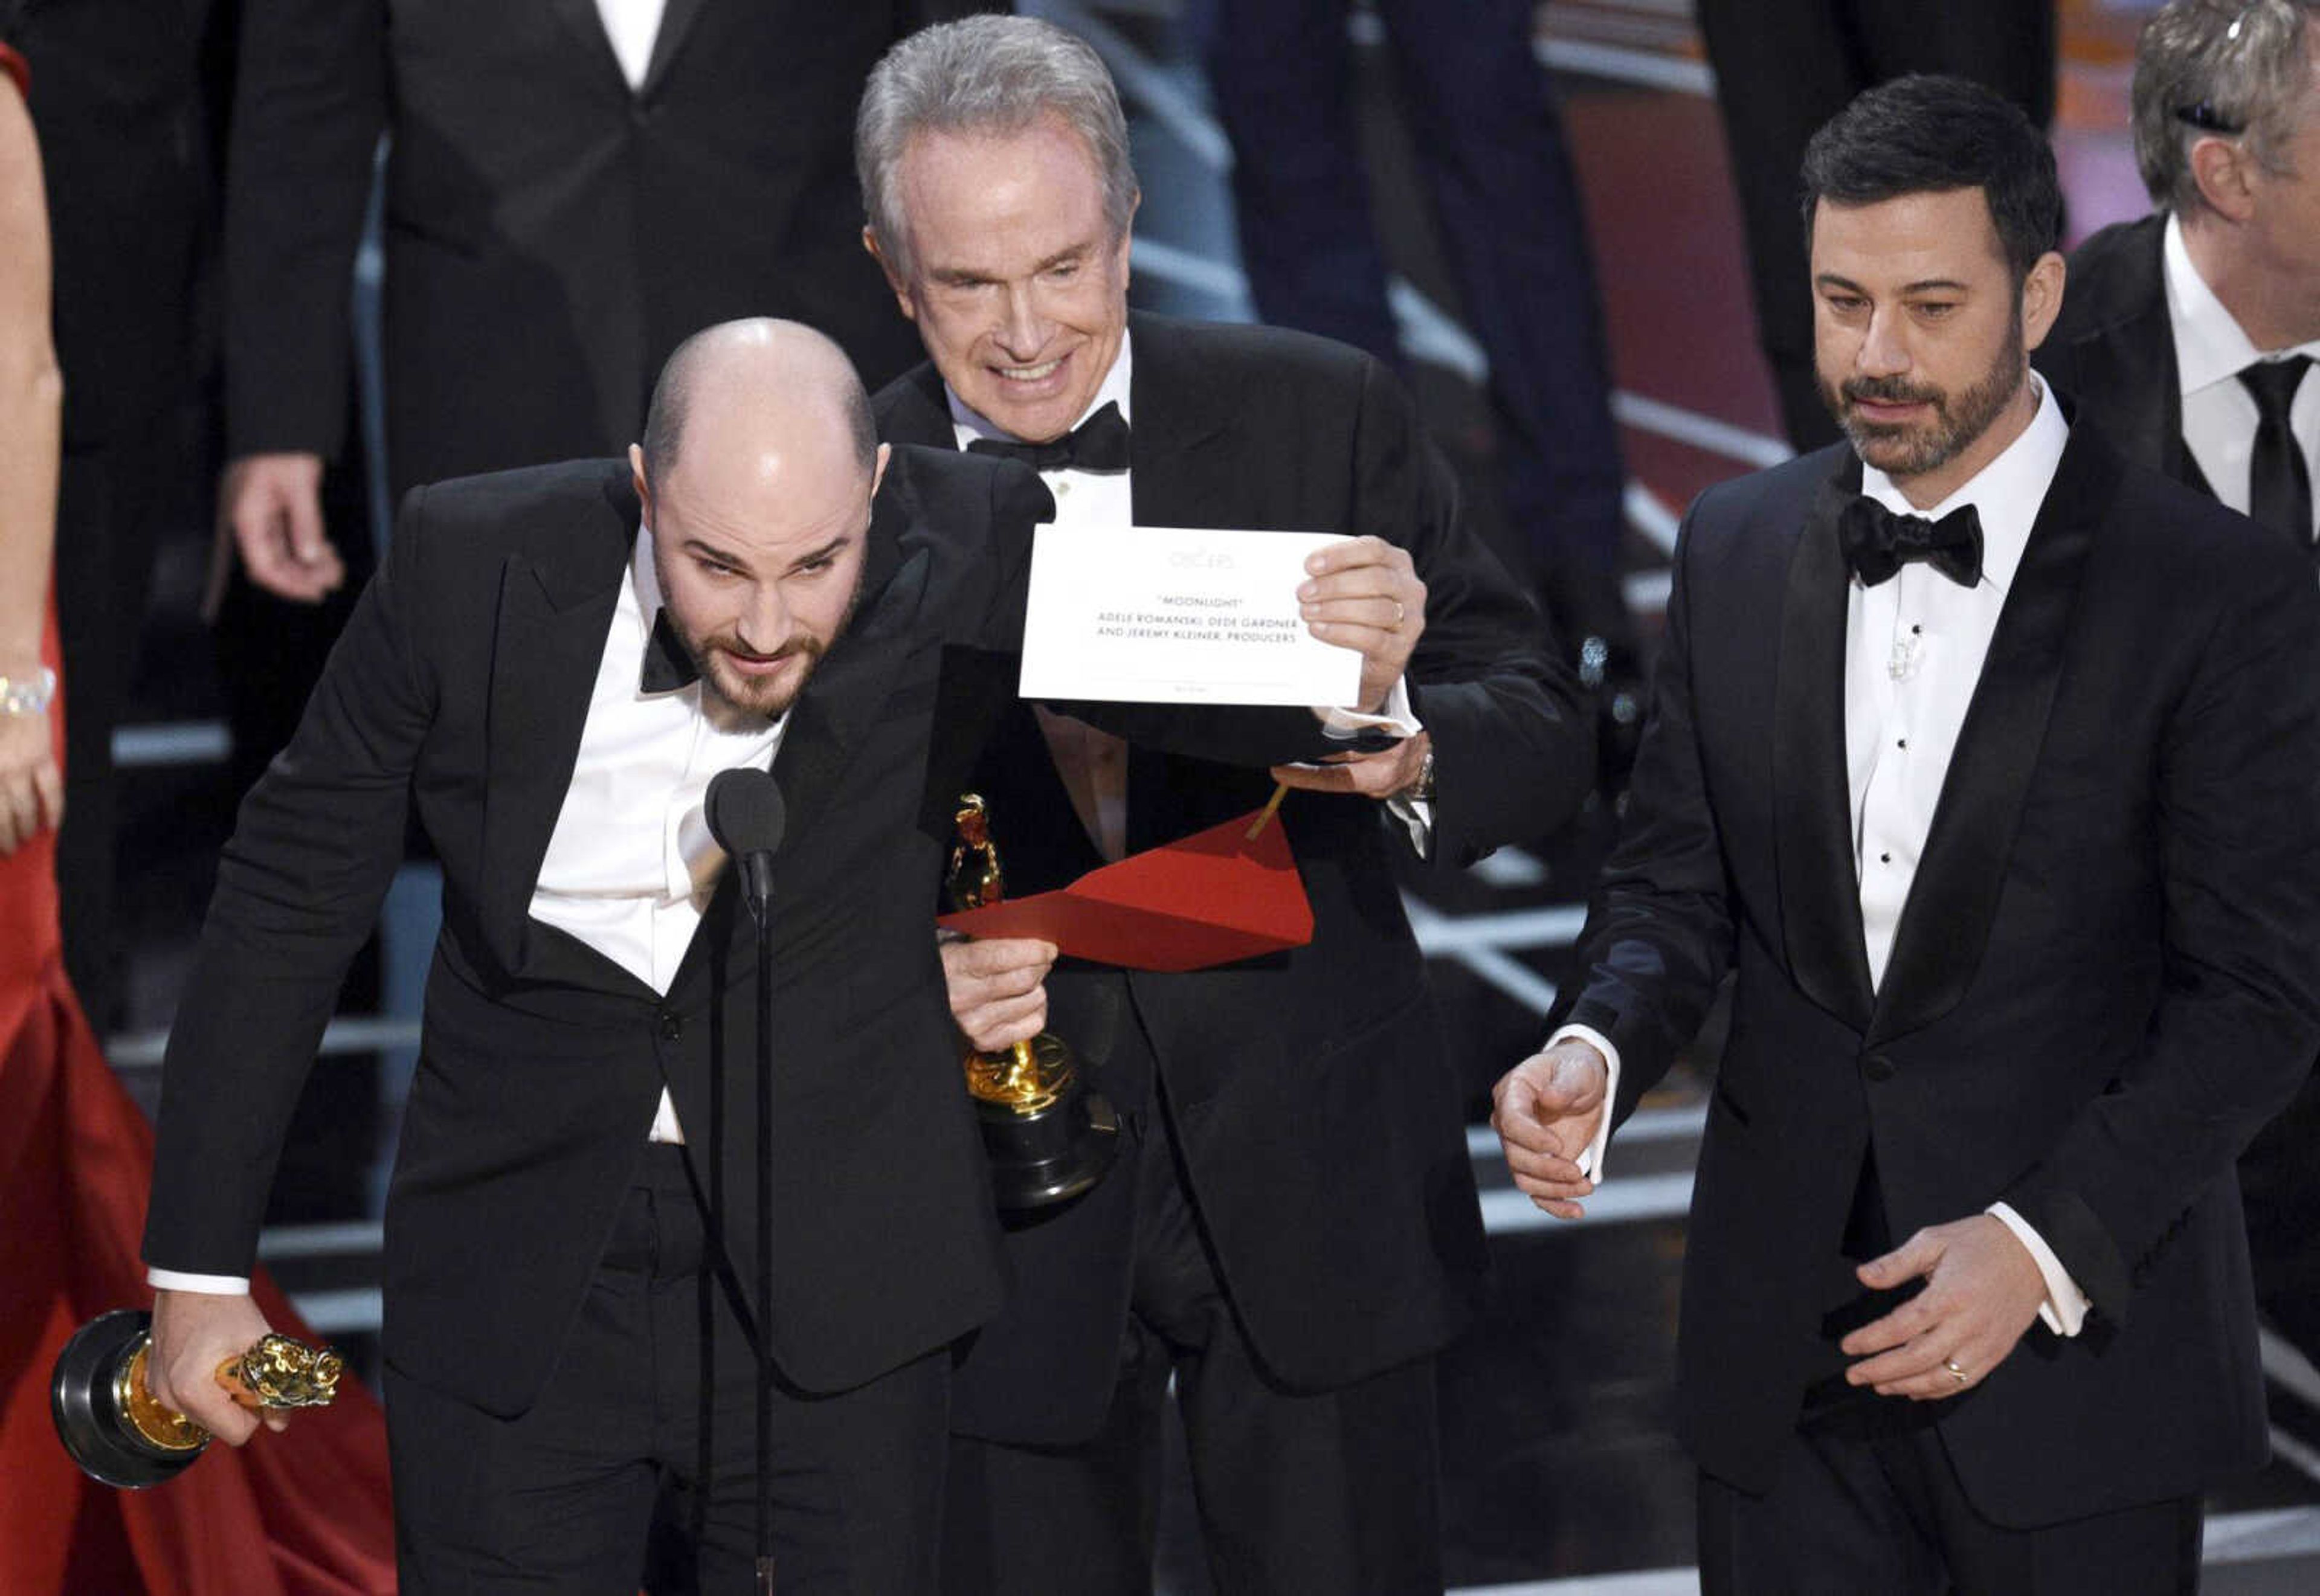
x: 303, y: 1513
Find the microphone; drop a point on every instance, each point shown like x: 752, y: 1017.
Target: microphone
x: 745, y: 813
x: 746, y: 816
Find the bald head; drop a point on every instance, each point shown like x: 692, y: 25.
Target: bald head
x: 764, y: 378
x: 756, y: 477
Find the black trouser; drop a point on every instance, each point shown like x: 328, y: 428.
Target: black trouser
x: 1337, y: 1491
x: 1865, y: 1497
x: 657, y: 1382
x: 1885, y: 1512
x: 1495, y: 168
x: 2279, y: 1186
x: 111, y: 501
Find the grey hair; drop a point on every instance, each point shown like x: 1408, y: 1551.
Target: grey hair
x: 2205, y: 67
x: 993, y: 75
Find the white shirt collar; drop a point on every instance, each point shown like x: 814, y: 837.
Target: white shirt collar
x: 2210, y: 344
x: 2210, y: 347
x: 644, y: 580
x: 2006, y: 494
x: 971, y: 424
x: 631, y: 27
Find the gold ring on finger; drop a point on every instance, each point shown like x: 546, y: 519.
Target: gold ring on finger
x: 1956, y: 1373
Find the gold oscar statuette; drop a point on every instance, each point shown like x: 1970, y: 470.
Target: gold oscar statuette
x: 120, y: 1434
x: 1048, y: 1138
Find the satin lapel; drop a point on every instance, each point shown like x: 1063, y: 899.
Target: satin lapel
x: 1946, y: 925
x: 2139, y: 392
x: 2143, y: 399
x: 1820, y: 895
x: 1184, y: 458
x: 2187, y: 469
x: 550, y: 642
x: 852, y: 681
x: 915, y: 411
x: 1194, y: 463
x: 587, y: 25
x: 675, y: 22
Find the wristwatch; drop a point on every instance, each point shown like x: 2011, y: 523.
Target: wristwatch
x: 1421, y: 791
x: 28, y: 695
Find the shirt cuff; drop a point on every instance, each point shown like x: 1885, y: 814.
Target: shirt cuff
x: 1417, y: 818
x: 208, y: 1286
x: 1590, y: 1162
x: 1396, y: 717
x: 2065, y: 1306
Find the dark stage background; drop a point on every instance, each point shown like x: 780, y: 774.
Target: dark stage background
x: 1562, y: 1473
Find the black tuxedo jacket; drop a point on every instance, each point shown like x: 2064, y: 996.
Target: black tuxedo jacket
x: 460, y: 691
x: 2112, y: 348
x: 2104, y: 981
x: 550, y: 234
x: 1320, y: 1123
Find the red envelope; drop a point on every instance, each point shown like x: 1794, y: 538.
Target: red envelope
x: 1207, y: 899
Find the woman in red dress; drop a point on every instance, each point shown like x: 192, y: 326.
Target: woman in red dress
x: 303, y: 1513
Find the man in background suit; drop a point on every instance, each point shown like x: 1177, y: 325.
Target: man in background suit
x: 569, y: 190
x: 1495, y: 173
x: 118, y: 98
x: 1993, y: 763
x: 549, y: 670
x: 1785, y: 67
x: 2188, y: 339
x: 1291, y: 1230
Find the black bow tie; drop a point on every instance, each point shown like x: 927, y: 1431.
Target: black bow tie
x: 1099, y: 443
x: 667, y: 666
x: 1878, y: 543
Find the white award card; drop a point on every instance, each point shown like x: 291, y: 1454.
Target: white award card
x: 1168, y: 616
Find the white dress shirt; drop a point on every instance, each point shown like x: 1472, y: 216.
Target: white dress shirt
x: 1913, y: 654
x: 632, y: 26
x: 2219, y: 415
x: 630, y: 865
x: 633, y: 891
x: 1091, y: 762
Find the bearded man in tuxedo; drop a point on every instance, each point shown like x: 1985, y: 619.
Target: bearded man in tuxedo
x: 547, y: 673
x: 1988, y: 760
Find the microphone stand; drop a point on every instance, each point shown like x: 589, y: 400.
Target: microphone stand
x: 744, y: 810
x: 760, y: 911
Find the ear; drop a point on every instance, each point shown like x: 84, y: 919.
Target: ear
x: 2042, y: 298
x: 878, y: 471
x: 1127, y: 243
x: 894, y: 279
x: 637, y: 480
x: 2225, y: 175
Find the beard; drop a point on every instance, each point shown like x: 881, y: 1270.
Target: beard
x: 727, y: 694
x: 1912, y: 449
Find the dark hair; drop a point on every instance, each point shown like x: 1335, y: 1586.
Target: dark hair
x: 1926, y: 134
